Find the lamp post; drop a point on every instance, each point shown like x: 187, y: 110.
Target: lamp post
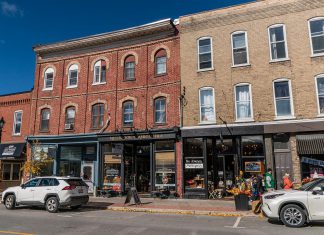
x: 2, y: 122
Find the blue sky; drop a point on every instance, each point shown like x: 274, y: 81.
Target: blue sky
x: 24, y: 23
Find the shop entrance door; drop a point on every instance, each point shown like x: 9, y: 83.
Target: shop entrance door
x: 226, y: 170
x: 142, y: 168
x: 87, y: 175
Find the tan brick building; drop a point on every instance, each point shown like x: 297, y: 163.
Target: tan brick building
x: 253, y: 81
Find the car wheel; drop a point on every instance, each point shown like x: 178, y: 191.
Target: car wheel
x: 10, y: 202
x: 52, y: 205
x: 75, y: 207
x: 293, y: 216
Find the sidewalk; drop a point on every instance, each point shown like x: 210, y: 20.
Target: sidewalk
x: 170, y: 206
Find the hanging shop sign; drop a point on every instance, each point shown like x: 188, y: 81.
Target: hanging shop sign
x: 194, y: 164
x: 312, y: 161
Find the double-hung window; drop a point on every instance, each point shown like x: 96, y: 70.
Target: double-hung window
x: 48, y: 79
x: 240, y: 53
x: 160, y: 110
x: 316, y: 28
x: 69, y: 118
x: 205, y: 53
x: 98, y: 115
x: 99, y: 69
x: 129, y: 72
x: 161, y: 62
x: 45, y: 118
x: 278, y: 42
x: 73, y: 76
x: 207, y: 104
x: 17, y: 123
x: 243, y: 102
x: 283, y: 99
x: 320, y: 93
x: 128, y: 113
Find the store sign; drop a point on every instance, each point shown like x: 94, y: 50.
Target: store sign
x: 194, y: 164
x: 312, y: 161
x: 9, y: 150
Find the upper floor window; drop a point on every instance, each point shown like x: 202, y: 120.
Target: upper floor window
x: 48, y: 79
x: 160, y: 110
x: 45, y: 118
x: 161, y: 62
x: 205, y: 56
x: 17, y: 122
x: 240, y: 48
x: 98, y: 115
x: 278, y: 43
x: 207, y: 104
x: 129, y: 68
x: 73, y: 76
x: 243, y: 102
x: 99, y: 72
x: 69, y: 118
x: 316, y: 28
x: 128, y: 113
x: 320, y: 94
x: 283, y: 100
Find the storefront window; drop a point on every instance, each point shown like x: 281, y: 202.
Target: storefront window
x: 312, y: 166
x: 164, y: 145
x: 11, y: 171
x: 112, y: 170
x: 225, y: 146
x: 252, y: 146
x: 165, y: 170
x: 70, y: 163
x: 45, y: 153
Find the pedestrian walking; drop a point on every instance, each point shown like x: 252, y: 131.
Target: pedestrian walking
x: 269, y: 180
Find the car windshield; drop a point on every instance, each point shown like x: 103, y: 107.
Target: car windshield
x: 307, y: 185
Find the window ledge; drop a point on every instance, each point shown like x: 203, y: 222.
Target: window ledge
x: 320, y: 115
x: 130, y: 80
x: 207, y: 123
x: 65, y: 130
x: 279, y: 60
x: 284, y: 118
x: 71, y: 87
x: 245, y: 120
x: 99, y: 83
x: 47, y: 89
x: 317, y: 55
x: 43, y: 131
x: 16, y: 134
x: 241, y: 65
x: 205, y: 70
x: 160, y: 124
x: 160, y: 75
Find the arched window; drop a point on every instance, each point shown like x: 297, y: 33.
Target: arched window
x: 99, y: 71
x: 161, y: 62
x: 160, y: 110
x: 73, y: 76
x: 129, y: 68
x: 69, y: 118
x: 98, y: 115
x: 48, y: 79
x: 45, y: 118
x: 128, y: 113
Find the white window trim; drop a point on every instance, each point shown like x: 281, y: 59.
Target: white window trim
x: 45, y: 78
x: 211, y: 51
x: 94, y: 83
x: 247, y: 49
x: 292, y: 115
x: 201, y: 121
x: 166, y: 109
x: 71, y: 68
x: 14, y: 124
x: 310, y: 36
x: 251, y: 119
x: 286, y: 44
x: 319, y: 114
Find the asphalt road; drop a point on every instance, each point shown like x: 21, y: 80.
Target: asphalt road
x: 27, y: 221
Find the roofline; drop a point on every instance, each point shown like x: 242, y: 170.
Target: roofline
x: 103, y: 37
x: 18, y: 93
x: 221, y: 8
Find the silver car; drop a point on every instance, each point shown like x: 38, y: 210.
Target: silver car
x: 296, y: 207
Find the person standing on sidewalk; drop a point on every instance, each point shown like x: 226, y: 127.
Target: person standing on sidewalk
x: 287, y: 183
x: 269, y: 180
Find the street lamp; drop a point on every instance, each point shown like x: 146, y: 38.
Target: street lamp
x: 2, y: 122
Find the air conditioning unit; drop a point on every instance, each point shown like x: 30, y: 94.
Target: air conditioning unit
x: 68, y: 126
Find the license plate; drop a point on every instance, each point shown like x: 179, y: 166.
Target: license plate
x: 80, y: 191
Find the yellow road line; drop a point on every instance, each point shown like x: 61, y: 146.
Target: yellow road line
x: 15, y: 233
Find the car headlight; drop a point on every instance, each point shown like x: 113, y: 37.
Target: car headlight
x: 273, y: 196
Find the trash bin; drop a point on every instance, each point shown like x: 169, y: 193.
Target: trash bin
x: 241, y: 202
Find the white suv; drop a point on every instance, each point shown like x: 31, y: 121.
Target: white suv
x: 51, y: 192
x: 296, y: 207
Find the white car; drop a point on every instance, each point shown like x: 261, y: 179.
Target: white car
x: 51, y: 192
x: 296, y: 207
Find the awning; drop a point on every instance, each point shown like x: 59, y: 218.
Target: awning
x: 13, y: 150
x: 310, y: 144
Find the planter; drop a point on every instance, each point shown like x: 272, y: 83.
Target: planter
x: 241, y: 202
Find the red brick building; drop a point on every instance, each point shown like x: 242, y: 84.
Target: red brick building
x: 106, y: 107
x: 15, y: 114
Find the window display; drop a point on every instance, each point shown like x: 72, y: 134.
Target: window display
x: 165, y: 170
x: 112, y: 167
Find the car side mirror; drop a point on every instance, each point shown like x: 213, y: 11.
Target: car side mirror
x: 317, y: 191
